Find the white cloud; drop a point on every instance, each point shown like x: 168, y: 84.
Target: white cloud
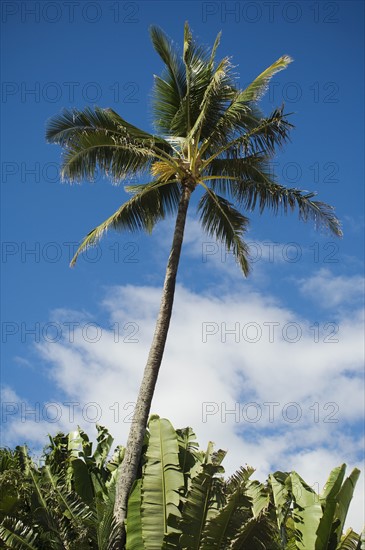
x: 29, y: 423
x: 239, y: 368
x: 332, y: 291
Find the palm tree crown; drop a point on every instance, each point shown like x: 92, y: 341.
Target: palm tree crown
x: 211, y: 134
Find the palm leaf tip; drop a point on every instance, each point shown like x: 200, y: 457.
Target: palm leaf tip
x: 323, y: 216
x: 259, y: 86
x: 286, y: 59
x: 279, y: 65
x: 320, y: 213
x: 90, y: 240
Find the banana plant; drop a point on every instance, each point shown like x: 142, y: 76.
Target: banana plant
x: 180, y: 499
x: 198, y: 510
x: 308, y: 520
x: 85, y: 472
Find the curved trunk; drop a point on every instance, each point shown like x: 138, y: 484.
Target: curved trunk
x: 129, y: 466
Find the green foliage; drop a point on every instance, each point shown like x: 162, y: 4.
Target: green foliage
x: 162, y: 481
x: 14, y: 487
x: 179, y: 501
x: 202, y: 510
x: 66, y: 503
x: 307, y: 520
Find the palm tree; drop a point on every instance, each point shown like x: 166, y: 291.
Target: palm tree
x: 211, y: 136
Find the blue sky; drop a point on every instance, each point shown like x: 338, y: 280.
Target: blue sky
x: 291, y: 370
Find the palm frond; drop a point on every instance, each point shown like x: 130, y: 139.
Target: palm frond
x: 270, y: 133
x: 213, y: 91
x: 256, y: 534
x: 251, y: 134
x: 73, y: 507
x: 182, y: 113
x: 239, y: 478
x: 14, y: 534
x: 227, y: 524
x: 117, y: 160
x: 188, y: 72
x: 233, y: 121
x: 251, y: 183
x: 201, y: 505
x: 227, y: 176
x: 100, y: 137
x: 222, y: 221
x: 106, y: 532
x: 166, y: 105
x: 241, y: 114
x: 215, y: 47
x: 259, y: 86
x: 165, y: 48
x: 150, y: 204
x: 62, y: 128
x: 170, y: 88
x: 280, y: 199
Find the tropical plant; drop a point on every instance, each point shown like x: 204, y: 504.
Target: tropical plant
x: 50, y: 516
x: 211, y: 136
x: 85, y: 472
x: 182, y: 501
x: 14, y: 483
x: 70, y: 498
x: 308, y: 520
x: 179, y: 500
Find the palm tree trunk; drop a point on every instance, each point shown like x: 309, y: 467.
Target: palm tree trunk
x: 129, y: 466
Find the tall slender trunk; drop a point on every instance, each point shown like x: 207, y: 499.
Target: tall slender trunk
x: 129, y: 466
